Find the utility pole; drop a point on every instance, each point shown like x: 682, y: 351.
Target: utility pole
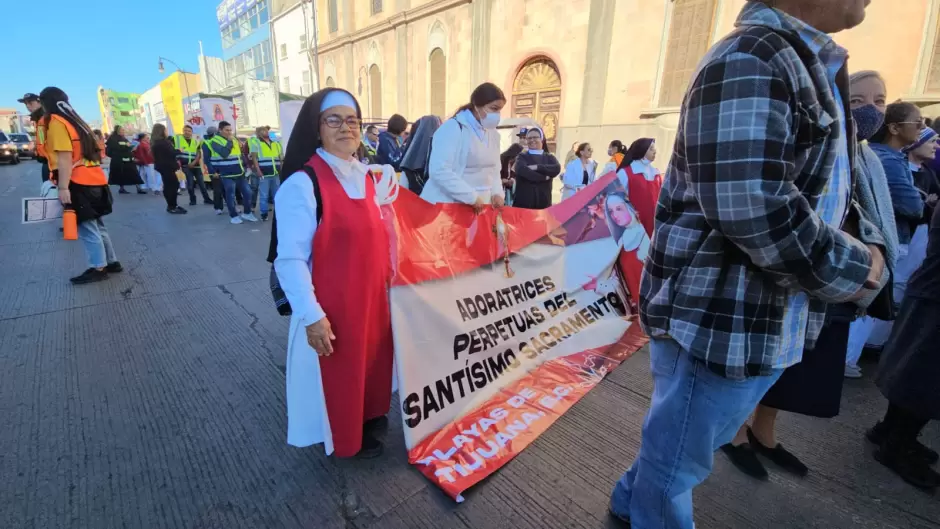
x: 316, y: 46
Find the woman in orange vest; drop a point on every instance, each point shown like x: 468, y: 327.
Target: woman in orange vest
x: 75, y: 157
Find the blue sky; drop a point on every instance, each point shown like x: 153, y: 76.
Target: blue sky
x: 111, y: 43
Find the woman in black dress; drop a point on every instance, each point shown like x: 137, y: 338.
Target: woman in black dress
x: 535, y: 169
x: 908, y: 374
x: 165, y: 163
x: 123, y: 170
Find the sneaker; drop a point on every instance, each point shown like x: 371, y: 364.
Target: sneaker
x: 236, y: 220
x: 218, y: 212
x: 853, y: 371
x: 264, y: 217
x: 114, y: 268
x: 177, y: 211
x: 250, y: 217
x: 92, y: 275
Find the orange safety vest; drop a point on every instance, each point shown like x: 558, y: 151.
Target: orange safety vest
x: 84, y: 172
x: 41, y: 137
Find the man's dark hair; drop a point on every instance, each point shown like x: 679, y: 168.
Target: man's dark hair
x: 372, y: 129
x: 223, y: 124
x: 187, y: 127
x: 397, y: 124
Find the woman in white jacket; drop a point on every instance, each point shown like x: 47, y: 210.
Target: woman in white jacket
x: 579, y: 172
x: 464, y: 163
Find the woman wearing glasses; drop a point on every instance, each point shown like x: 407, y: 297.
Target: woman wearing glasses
x: 332, y: 257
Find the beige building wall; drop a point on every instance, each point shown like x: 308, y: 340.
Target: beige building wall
x: 609, y: 55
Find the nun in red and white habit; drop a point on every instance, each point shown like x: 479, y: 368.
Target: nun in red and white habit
x: 334, y: 268
x: 641, y: 180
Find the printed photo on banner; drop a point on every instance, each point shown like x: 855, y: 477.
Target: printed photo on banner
x: 503, y: 320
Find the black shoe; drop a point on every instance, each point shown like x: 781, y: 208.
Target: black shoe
x: 878, y: 434
x: 192, y: 202
x: 177, y: 211
x: 745, y: 458
x: 92, y: 275
x: 207, y: 203
x: 376, y: 428
x: 908, y: 467
x: 123, y: 192
x: 141, y: 192
x: 779, y: 456
x: 114, y: 268
x: 371, y: 448
x: 264, y: 217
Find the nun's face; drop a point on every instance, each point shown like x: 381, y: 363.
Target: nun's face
x: 619, y: 213
x: 340, y: 131
x: 533, y: 140
x: 651, y: 153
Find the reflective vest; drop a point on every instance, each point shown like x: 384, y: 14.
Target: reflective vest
x: 188, y: 149
x: 84, y: 172
x: 41, y: 137
x: 227, y: 167
x: 269, y: 155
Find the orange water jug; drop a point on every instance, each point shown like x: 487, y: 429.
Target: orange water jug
x: 69, y: 225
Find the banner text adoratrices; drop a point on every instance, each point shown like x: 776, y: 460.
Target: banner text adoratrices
x: 567, y: 320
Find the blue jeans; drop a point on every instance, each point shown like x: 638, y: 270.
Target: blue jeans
x: 229, y: 185
x: 97, y: 243
x: 693, y: 411
x: 267, y: 188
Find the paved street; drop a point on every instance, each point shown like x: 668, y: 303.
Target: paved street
x: 156, y: 400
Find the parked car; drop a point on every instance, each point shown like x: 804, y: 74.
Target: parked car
x: 24, y: 144
x: 8, y: 150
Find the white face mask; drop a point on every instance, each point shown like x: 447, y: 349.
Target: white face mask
x: 490, y: 119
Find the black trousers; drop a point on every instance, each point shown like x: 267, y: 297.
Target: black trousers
x: 902, y: 426
x: 44, y: 170
x: 171, y: 187
x: 218, y: 193
x: 193, y: 179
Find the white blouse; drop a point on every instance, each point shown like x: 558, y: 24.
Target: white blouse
x: 574, y: 173
x: 295, y: 207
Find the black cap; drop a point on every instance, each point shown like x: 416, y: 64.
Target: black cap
x: 28, y: 96
x: 522, y: 132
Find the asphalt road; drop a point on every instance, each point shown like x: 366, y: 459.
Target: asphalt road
x: 156, y: 400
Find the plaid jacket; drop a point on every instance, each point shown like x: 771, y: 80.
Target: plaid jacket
x: 737, y: 235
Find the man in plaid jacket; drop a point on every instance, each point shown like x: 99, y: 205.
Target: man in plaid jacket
x: 756, y: 232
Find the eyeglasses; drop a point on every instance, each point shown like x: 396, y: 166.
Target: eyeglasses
x: 334, y: 122
x: 921, y: 124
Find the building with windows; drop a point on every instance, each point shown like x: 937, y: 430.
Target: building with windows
x: 587, y: 70
x: 292, y: 39
x: 117, y: 108
x: 246, y: 40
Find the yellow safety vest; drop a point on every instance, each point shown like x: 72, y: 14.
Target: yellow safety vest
x: 269, y: 155
x: 226, y: 167
x: 189, y: 149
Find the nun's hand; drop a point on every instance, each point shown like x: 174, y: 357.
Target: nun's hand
x: 498, y: 201
x: 320, y: 337
x: 478, y: 205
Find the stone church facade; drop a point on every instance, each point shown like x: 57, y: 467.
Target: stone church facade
x: 587, y: 70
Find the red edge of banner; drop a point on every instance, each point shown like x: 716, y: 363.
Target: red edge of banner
x: 467, y: 241
x: 476, y: 445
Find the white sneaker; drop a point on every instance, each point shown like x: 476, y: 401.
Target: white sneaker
x: 218, y: 212
x: 250, y: 217
x: 236, y: 220
x: 853, y: 371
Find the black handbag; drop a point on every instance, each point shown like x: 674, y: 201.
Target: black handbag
x: 280, y: 298
x: 883, y: 306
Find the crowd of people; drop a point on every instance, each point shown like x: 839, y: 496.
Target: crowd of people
x: 777, y: 251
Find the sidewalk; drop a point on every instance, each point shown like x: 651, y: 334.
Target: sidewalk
x: 156, y: 400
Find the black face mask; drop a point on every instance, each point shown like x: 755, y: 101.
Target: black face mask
x: 36, y: 114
